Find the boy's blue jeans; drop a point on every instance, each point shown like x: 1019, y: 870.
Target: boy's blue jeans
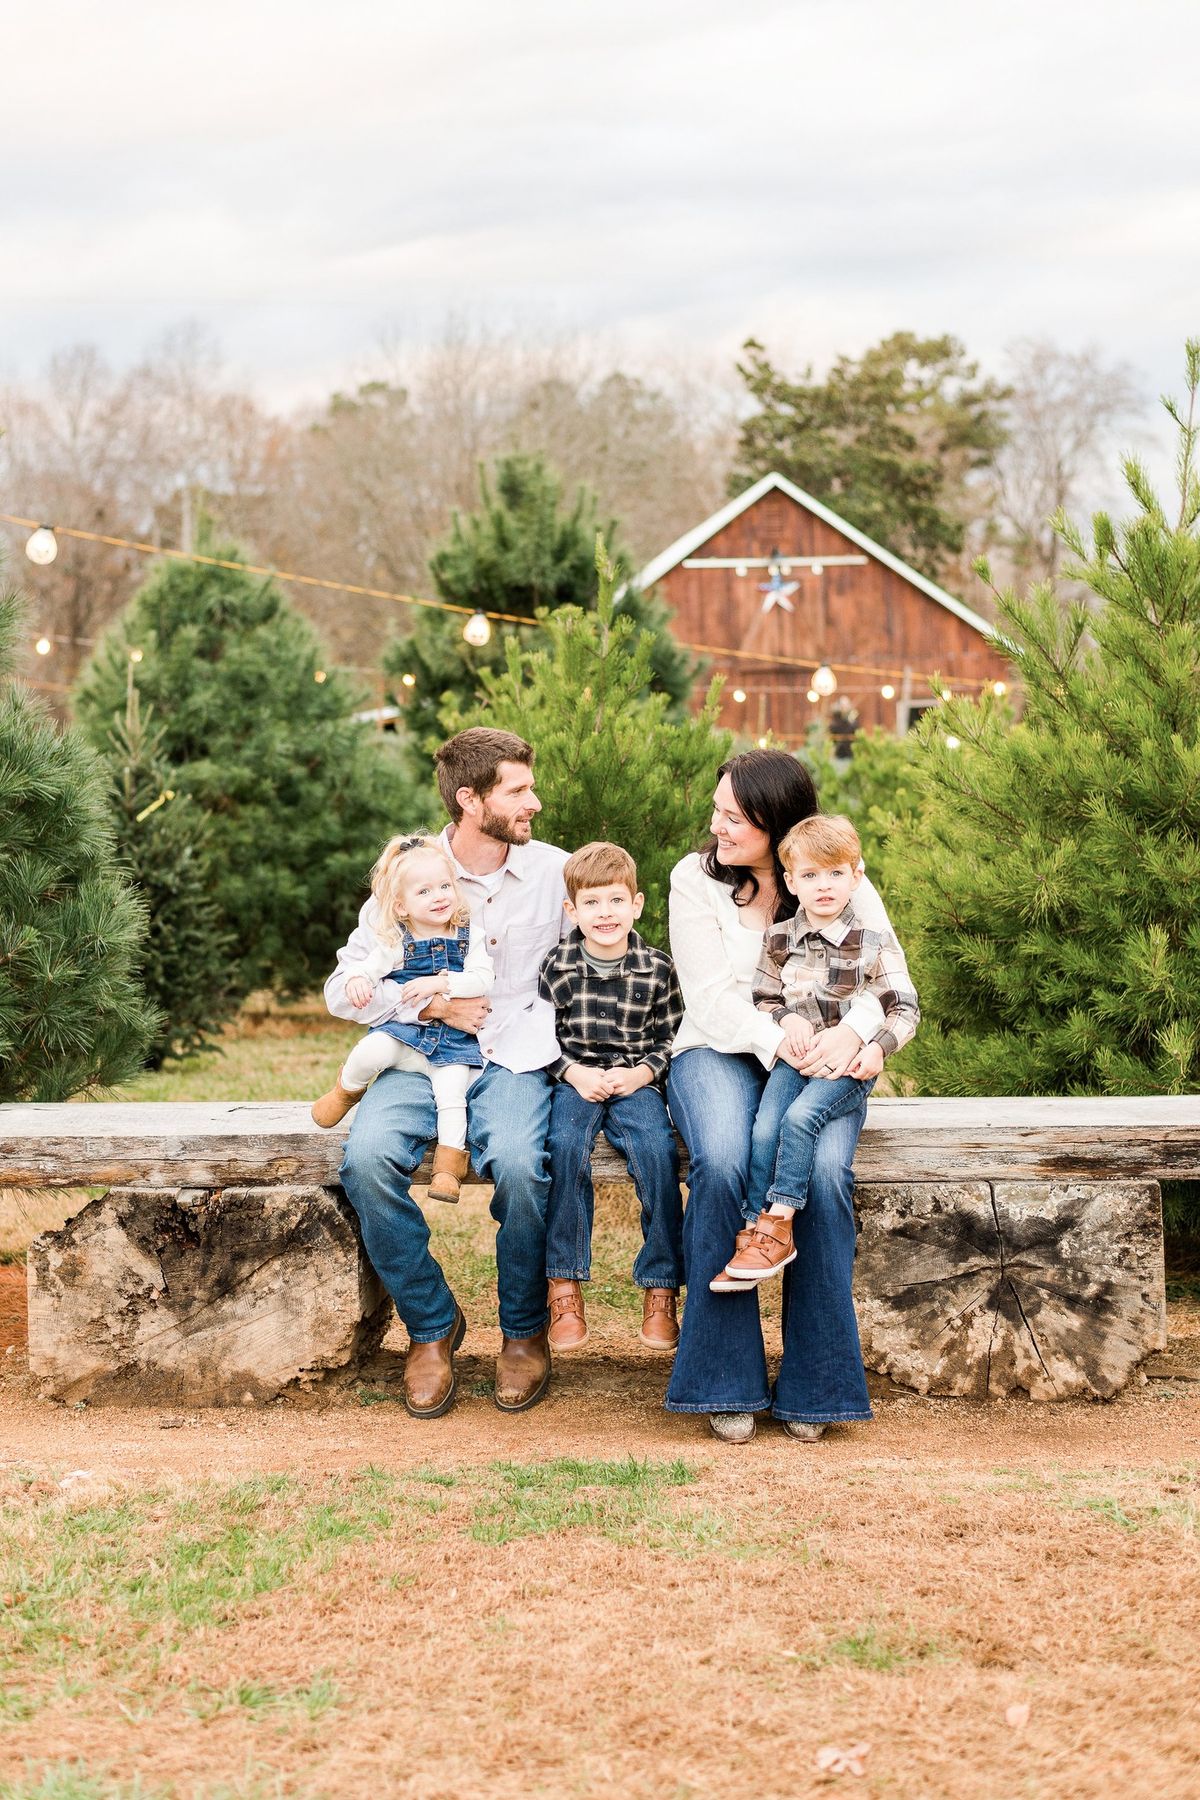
x: 638, y: 1127
x: 793, y: 1112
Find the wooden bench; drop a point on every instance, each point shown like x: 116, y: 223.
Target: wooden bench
x: 1006, y: 1244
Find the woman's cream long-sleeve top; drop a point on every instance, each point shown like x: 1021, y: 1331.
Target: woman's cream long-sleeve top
x: 716, y: 955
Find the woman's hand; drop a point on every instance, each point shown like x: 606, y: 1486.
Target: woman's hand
x: 830, y: 1053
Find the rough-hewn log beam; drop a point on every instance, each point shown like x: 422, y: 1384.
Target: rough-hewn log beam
x: 216, y: 1145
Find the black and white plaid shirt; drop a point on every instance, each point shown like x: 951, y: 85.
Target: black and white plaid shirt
x: 617, y: 1020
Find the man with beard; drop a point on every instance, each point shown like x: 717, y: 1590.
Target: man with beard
x: 514, y: 887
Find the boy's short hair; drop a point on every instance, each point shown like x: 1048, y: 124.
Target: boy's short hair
x: 825, y: 838
x: 599, y: 865
x: 471, y: 759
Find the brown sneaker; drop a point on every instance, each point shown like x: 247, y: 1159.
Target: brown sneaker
x: 568, y: 1327
x: 332, y: 1107
x: 522, y: 1372
x: 449, y: 1167
x: 660, y: 1320
x: 770, y: 1249
x: 722, y: 1283
x: 429, y: 1373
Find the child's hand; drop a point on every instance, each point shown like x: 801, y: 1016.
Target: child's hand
x: 623, y: 1082
x: 589, y: 1084
x: 868, y: 1063
x: 798, y: 1032
x: 424, y: 987
x: 359, y: 990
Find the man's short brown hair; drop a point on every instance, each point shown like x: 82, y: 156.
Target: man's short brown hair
x: 599, y: 865
x: 825, y: 838
x: 472, y: 759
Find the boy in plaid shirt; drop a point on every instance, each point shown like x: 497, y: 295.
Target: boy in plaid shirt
x: 617, y: 1008
x: 812, y: 969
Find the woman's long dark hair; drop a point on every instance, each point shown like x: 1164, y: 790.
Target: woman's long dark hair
x: 774, y: 791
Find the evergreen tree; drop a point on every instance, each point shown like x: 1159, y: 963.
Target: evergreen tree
x: 72, y: 1015
x: 299, y: 797
x: 879, y: 787
x: 1054, y: 876
x: 521, y: 553
x: 610, y: 763
x: 891, y: 441
x: 164, y: 840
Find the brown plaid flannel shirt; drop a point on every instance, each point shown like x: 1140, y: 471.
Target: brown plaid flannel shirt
x: 818, y: 971
x: 611, y: 1021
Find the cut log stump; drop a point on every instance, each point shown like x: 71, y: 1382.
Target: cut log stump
x: 987, y: 1288
x: 207, y: 1298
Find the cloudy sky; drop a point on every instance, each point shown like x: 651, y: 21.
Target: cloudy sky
x: 307, y: 177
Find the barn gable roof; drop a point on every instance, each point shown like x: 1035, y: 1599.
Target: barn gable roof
x: 699, y: 534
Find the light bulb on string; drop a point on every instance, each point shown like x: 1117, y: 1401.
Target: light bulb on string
x: 887, y: 691
x: 739, y: 695
x: 42, y: 546
x: 824, y: 680
x: 409, y: 680
x: 999, y: 688
x: 319, y: 675
x: 740, y: 571
x: 953, y: 743
x: 135, y: 655
x: 946, y: 694
x: 477, y: 630
x: 813, y: 696
x: 43, y: 646
x: 818, y: 568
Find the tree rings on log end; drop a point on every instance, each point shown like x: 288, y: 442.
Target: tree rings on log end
x: 985, y: 1289
x: 201, y: 1297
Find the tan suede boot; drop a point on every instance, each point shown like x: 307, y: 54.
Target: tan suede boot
x: 449, y: 1167
x: 333, y: 1106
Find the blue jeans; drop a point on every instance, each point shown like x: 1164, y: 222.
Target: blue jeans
x: 721, y: 1364
x: 792, y: 1113
x: 507, y: 1119
x: 637, y: 1126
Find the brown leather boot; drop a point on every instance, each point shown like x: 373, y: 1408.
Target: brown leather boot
x: 522, y: 1372
x: 449, y: 1167
x: 568, y: 1327
x: 660, y: 1319
x: 332, y: 1107
x: 429, y: 1373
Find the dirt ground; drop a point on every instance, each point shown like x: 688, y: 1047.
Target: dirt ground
x: 957, y: 1600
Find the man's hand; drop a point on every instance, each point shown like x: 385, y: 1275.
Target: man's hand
x: 589, y: 1084
x: 867, y: 1064
x: 423, y: 987
x: 359, y: 991
x: 830, y: 1053
x: 464, y: 1015
x: 623, y: 1082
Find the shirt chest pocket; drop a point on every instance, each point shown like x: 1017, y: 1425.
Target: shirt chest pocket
x: 518, y: 953
x: 841, y: 979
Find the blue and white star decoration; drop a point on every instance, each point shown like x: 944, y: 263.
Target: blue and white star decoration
x: 778, y: 592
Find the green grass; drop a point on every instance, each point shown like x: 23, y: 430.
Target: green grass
x: 627, y: 1502
x: 882, y: 1652
x: 252, y: 1066
x: 258, y: 1699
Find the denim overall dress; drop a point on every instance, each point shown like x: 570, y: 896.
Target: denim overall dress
x: 441, y: 1044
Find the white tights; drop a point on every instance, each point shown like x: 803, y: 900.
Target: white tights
x: 377, y: 1052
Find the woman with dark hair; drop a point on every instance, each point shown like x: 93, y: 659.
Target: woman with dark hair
x: 722, y: 900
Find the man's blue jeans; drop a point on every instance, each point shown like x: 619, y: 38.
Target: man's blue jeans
x: 721, y: 1364
x: 637, y: 1126
x: 792, y: 1113
x: 507, y: 1119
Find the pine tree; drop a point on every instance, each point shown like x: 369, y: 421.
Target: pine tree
x: 298, y: 796
x: 164, y: 840
x: 892, y: 440
x: 879, y: 788
x: 610, y: 762
x: 522, y: 552
x: 1054, y: 875
x: 72, y: 1014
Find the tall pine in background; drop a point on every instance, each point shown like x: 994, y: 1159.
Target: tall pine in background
x: 164, y: 840
x: 611, y: 761
x: 1051, y: 887
x: 259, y: 733
x: 72, y: 1013
x: 523, y: 551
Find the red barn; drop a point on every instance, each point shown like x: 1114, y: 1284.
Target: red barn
x: 808, y: 618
